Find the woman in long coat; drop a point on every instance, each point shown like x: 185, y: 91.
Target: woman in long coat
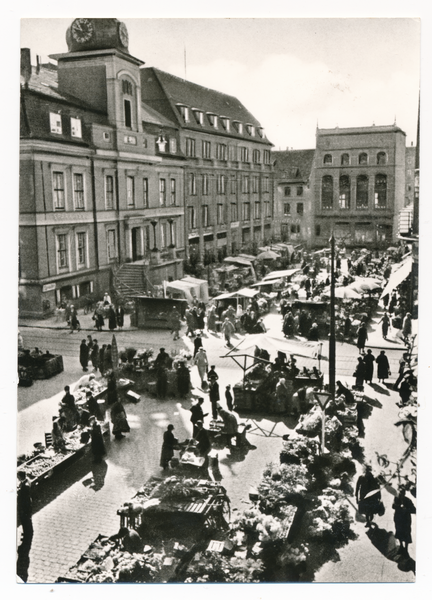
x: 97, y: 442
x: 407, y: 326
x: 120, y: 316
x: 369, y: 360
x: 201, y: 362
x: 359, y: 374
x: 385, y: 325
x: 362, y: 337
x: 368, y: 495
x: 383, y: 366
x: 211, y: 319
x: 119, y: 420
x: 168, y: 447
x: 403, y: 509
x: 112, y: 319
x: 183, y: 379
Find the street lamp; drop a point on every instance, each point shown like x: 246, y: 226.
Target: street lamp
x: 322, y: 398
x: 332, y: 338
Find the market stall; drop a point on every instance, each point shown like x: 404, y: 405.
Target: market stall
x: 154, y: 313
x: 37, y: 365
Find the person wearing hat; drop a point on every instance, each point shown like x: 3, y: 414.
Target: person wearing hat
x: 84, y: 355
x: 368, y: 495
x: 229, y: 398
x: 162, y: 359
x: 230, y: 424
x: 197, y: 344
x: 97, y: 441
x: 212, y: 374
x: 228, y: 330
x: 403, y: 509
x: 369, y: 360
x: 169, y: 444
x: 106, y: 299
x: 214, y: 396
x: 202, y: 439
x: 201, y: 362
x: 383, y: 366
x: 197, y: 414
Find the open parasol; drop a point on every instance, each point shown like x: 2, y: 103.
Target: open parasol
x: 365, y: 284
x: 268, y: 255
x: 344, y: 292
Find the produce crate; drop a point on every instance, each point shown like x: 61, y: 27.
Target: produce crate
x: 44, y: 369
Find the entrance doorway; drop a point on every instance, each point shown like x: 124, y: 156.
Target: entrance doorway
x: 136, y: 244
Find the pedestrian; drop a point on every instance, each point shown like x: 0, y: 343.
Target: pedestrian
x: 68, y: 410
x: 190, y: 322
x: 24, y: 507
x: 102, y: 359
x: 403, y: 362
x: 202, y: 439
x: 112, y: 396
x: 107, y: 359
x: 405, y: 390
x: 84, y: 355
x: 362, y: 337
x: 93, y: 406
x: 385, y: 320
x: 228, y: 330
x: 112, y: 319
x: 313, y: 335
x: 74, y: 322
x: 403, y: 509
x: 383, y: 367
x: 369, y: 360
x: 212, y: 374
x: 183, y: 379
x: 168, y: 446
x: 201, y: 362
x: 97, y: 441
x: 98, y: 318
x: 359, y: 374
x: 230, y: 424
x: 211, y: 319
x: 197, y: 344
x: 407, y: 327
x: 163, y: 359
x: 281, y: 395
x: 106, y: 299
x: 90, y: 343
x: 347, y: 327
x: 175, y: 323
x: 368, y: 495
x: 214, y: 397
x: 200, y: 314
x: 229, y: 398
x: 119, y: 420
x: 197, y: 414
x: 119, y: 312
x: 94, y: 355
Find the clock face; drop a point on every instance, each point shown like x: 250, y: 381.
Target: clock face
x: 82, y: 30
x: 123, y: 34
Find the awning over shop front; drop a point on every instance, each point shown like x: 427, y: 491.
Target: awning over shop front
x: 399, y: 273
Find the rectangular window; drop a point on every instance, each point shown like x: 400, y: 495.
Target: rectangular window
x: 245, y: 185
x: 58, y: 190
x: 173, y: 192
x: 111, y: 244
x: 287, y: 191
x: 220, y: 214
x: 267, y: 210
x: 257, y: 211
x: 109, y: 192
x: 127, y: 113
x: 221, y: 184
x: 192, y: 217
x: 205, y: 185
x: 300, y: 208
x: 206, y: 149
x: 317, y: 230
x: 145, y: 192
x: 62, y: 251
x: 81, y: 249
x: 246, y: 211
x: 55, y: 123
x: 205, y: 215
x: 173, y: 233
x: 266, y: 157
x: 172, y: 145
x: 244, y: 154
x: 234, y: 212
x: 162, y: 192
x: 190, y: 147
x: 184, y: 111
x: 256, y: 157
x: 265, y: 185
x: 130, y: 191
x: 300, y: 190
x: 76, y: 127
x: 163, y: 235
x: 78, y: 180
x: 233, y: 184
x: 221, y: 151
x: 295, y: 228
x: 255, y: 184
x: 192, y: 184
x: 233, y: 152
x: 287, y: 208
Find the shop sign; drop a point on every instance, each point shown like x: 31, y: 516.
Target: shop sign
x: 235, y: 224
x: 48, y: 287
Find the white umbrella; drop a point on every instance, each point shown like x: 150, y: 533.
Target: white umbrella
x: 344, y: 292
x: 268, y: 255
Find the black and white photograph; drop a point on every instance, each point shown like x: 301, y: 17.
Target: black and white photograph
x: 218, y: 242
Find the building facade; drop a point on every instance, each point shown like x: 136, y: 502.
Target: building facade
x: 111, y: 154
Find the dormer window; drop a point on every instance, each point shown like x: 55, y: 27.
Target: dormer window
x: 250, y: 129
x: 199, y: 116
x: 213, y: 120
x: 225, y: 123
x: 55, y: 123
x: 238, y: 127
x: 184, y: 111
x: 260, y: 131
x: 76, y: 128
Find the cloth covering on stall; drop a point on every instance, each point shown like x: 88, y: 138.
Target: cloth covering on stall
x: 399, y: 273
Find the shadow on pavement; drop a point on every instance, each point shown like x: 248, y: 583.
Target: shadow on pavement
x: 97, y: 481
x: 380, y: 389
x: 23, y: 560
x: 386, y: 543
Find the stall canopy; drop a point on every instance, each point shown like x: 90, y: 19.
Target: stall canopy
x: 203, y: 285
x: 244, y: 293
x: 274, y: 344
x: 239, y: 260
x: 280, y: 274
x: 399, y: 273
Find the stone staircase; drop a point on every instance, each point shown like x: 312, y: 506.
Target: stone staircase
x: 130, y: 279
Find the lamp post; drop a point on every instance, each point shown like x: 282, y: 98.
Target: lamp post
x: 332, y: 339
x: 322, y: 398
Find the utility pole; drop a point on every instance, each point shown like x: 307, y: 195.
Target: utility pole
x: 332, y: 339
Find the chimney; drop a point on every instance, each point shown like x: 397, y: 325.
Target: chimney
x: 26, y: 68
x: 38, y: 64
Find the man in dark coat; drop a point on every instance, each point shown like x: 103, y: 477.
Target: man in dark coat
x: 362, y: 337
x: 197, y: 344
x: 84, y: 355
x: 24, y: 507
x: 214, y: 397
x: 229, y: 398
x: 94, y: 356
x: 163, y: 359
x: 369, y: 360
x: 202, y: 439
x: 383, y: 366
x: 212, y: 374
x: 197, y: 414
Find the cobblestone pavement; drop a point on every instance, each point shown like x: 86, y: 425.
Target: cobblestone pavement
x: 78, y: 504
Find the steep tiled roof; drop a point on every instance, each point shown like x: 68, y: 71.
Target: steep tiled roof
x: 358, y: 130
x: 164, y: 92
x: 149, y: 115
x: 293, y: 164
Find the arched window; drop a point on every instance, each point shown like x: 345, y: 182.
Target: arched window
x: 345, y: 160
x: 362, y: 192
x: 363, y: 158
x: 328, y: 159
x: 381, y: 158
x: 344, y: 192
x: 327, y: 192
x: 380, y: 191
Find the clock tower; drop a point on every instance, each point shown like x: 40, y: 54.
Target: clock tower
x: 99, y: 70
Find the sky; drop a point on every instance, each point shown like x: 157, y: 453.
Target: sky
x: 291, y: 73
